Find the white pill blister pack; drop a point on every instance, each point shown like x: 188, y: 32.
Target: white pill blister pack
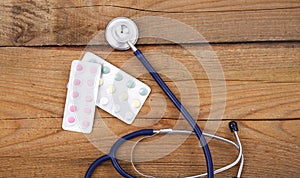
x: 81, y: 96
x: 119, y: 94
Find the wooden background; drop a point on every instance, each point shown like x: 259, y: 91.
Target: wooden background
x: 257, y: 43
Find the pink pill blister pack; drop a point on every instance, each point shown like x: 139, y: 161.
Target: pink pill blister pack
x: 81, y: 96
x: 120, y: 94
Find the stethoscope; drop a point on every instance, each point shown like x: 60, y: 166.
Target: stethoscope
x: 122, y: 34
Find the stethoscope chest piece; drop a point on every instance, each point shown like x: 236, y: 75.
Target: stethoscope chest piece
x: 119, y: 31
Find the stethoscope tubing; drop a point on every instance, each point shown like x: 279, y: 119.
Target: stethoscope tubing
x: 181, y: 108
x: 112, y: 154
x: 148, y: 133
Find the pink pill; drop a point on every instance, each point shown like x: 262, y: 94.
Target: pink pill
x: 87, y: 110
x: 73, y: 108
x: 76, y: 82
x: 75, y: 94
x: 79, y: 67
x: 71, y: 119
x: 90, y: 83
x: 88, y: 98
x: 85, y: 123
x: 93, y: 70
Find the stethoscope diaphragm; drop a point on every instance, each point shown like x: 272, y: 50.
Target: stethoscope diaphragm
x: 120, y: 31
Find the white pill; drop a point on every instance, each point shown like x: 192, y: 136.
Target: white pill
x: 104, y: 101
x: 117, y: 108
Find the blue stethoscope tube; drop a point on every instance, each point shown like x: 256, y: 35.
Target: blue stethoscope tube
x: 112, y: 154
x: 181, y: 108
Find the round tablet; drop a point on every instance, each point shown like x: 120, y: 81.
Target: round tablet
x: 93, y: 70
x: 118, y: 77
x: 93, y: 60
x: 130, y: 84
x: 110, y: 89
x: 116, y: 108
x: 71, y: 119
x: 90, y: 82
x: 105, y: 70
x: 143, y: 91
x: 85, y: 123
x: 76, y: 82
x: 136, y: 103
x: 79, y: 67
x: 123, y: 96
x: 75, y: 94
x: 104, y: 101
x: 73, y: 108
x: 87, y: 110
x: 128, y: 116
x: 100, y: 82
x: 88, y: 98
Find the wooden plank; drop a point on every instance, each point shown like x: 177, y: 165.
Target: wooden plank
x: 42, y: 149
x: 179, y: 6
x: 262, y: 82
x: 36, y: 23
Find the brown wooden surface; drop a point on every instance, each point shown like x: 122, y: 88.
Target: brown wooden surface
x: 41, y: 22
x: 256, y: 42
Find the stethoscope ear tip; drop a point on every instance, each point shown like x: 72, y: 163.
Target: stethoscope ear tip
x: 233, y: 126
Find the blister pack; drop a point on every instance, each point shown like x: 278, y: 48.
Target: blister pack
x: 120, y: 94
x: 81, y: 96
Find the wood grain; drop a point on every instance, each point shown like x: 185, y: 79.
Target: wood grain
x: 74, y: 22
x: 261, y: 82
x: 256, y: 43
x: 45, y: 150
